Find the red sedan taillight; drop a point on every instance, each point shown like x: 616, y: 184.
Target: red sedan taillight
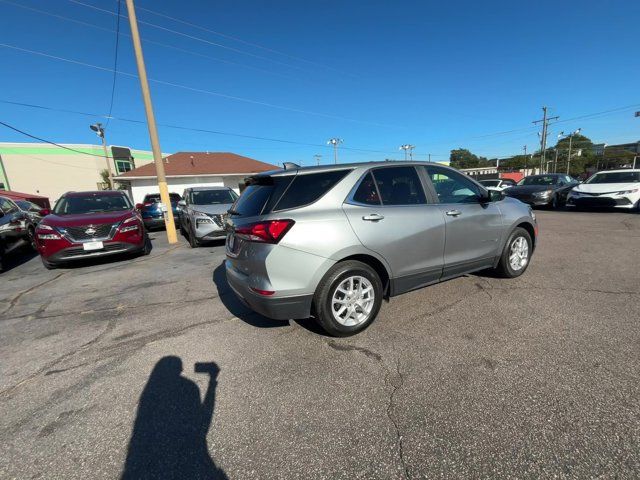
x: 269, y: 231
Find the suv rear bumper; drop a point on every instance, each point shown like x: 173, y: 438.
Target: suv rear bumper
x: 277, y: 308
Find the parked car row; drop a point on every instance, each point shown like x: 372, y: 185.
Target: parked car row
x: 607, y: 189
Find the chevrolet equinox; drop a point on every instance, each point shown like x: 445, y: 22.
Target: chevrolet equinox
x: 332, y: 242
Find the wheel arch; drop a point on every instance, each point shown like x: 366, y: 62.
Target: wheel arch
x: 377, y: 265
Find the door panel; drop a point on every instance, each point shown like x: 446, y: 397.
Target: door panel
x: 390, y: 215
x: 473, y: 229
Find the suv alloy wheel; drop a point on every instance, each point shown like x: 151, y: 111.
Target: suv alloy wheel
x: 348, y: 298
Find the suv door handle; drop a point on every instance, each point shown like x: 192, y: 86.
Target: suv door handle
x: 374, y: 217
x: 454, y: 213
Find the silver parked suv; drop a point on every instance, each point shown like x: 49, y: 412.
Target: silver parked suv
x: 202, y: 211
x: 332, y: 242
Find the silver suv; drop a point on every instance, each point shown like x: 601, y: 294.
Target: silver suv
x: 202, y: 211
x: 332, y: 242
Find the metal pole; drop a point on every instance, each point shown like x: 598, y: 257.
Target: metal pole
x: 569, y: 157
x: 172, y: 237
x: 106, y: 157
x: 555, y: 160
x: 429, y: 157
x: 525, y: 160
x: 335, y: 153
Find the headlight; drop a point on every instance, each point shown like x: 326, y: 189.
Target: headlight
x: 202, y: 218
x: 45, y: 232
x: 42, y: 226
x: 627, y: 192
x: 129, y: 229
x: 130, y: 220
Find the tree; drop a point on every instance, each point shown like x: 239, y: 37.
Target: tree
x: 104, y: 174
x: 463, y: 158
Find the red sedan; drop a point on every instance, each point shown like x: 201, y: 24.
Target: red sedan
x: 88, y: 225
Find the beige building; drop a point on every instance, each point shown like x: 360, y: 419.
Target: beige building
x: 50, y: 171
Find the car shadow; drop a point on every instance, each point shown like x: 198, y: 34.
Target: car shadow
x: 169, y: 437
x: 236, y: 307
x: 15, y: 259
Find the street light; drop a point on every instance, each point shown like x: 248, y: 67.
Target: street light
x: 97, y: 127
x: 335, y: 142
x: 408, y: 148
x: 317, y: 157
x: 570, y: 137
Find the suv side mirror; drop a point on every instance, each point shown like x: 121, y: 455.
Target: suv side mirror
x: 496, y: 196
x: 182, y: 203
x: 44, y: 212
x: 484, y: 196
x: 139, y: 206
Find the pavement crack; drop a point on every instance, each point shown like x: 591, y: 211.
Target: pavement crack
x: 399, y: 439
x: 345, y: 347
x: 14, y: 301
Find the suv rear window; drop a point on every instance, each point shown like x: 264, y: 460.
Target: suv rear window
x: 155, y: 197
x: 306, y: 189
x: 268, y: 194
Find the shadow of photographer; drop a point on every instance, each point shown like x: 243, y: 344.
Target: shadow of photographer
x: 169, y: 438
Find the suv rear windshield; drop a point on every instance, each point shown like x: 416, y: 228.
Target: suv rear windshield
x: 91, y: 203
x: 155, y: 198
x: 211, y: 197
x: 270, y: 194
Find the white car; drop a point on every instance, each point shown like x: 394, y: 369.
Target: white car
x: 498, y: 184
x: 611, y: 188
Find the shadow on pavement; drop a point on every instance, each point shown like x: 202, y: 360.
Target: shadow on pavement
x: 17, y: 258
x: 236, y: 307
x: 169, y: 438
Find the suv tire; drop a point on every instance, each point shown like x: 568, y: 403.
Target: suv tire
x: 330, y: 288
x: 193, y: 241
x: 514, y: 246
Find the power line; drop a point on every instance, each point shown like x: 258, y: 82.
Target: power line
x: 192, y: 37
x: 236, y: 39
x: 49, y: 141
x: 194, y: 89
x: 148, y: 41
x: 115, y: 65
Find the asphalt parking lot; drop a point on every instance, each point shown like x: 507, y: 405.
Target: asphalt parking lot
x: 475, y: 377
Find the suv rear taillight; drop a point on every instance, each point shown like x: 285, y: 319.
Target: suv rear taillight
x: 270, y: 231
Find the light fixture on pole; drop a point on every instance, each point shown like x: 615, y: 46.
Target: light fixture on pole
x: 570, y: 137
x: 97, y: 127
x: 408, y: 149
x: 335, y: 142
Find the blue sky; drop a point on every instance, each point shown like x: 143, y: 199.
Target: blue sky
x: 439, y: 75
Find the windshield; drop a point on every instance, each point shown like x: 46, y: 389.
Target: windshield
x: 539, y: 180
x: 91, y: 203
x: 212, y: 197
x: 155, y: 198
x: 615, y: 177
x: 490, y: 183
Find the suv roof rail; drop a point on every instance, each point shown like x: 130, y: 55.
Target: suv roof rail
x: 290, y: 165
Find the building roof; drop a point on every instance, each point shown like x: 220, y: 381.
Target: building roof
x: 201, y: 163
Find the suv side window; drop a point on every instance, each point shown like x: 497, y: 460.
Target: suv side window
x: 399, y: 186
x: 7, y: 206
x: 307, y: 188
x: 367, y: 192
x: 452, y: 187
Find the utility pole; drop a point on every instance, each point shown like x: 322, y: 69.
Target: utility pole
x: 555, y: 161
x: 524, y: 147
x: 570, y: 140
x: 317, y: 157
x: 335, y: 142
x: 407, y: 149
x: 97, y: 127
x: 429, y: 157
x: 543, y: 138
x: 170, y: 225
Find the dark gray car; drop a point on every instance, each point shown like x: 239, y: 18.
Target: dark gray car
x: 332, y: 242
x: 202, y: 211
x: 16, y: 229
